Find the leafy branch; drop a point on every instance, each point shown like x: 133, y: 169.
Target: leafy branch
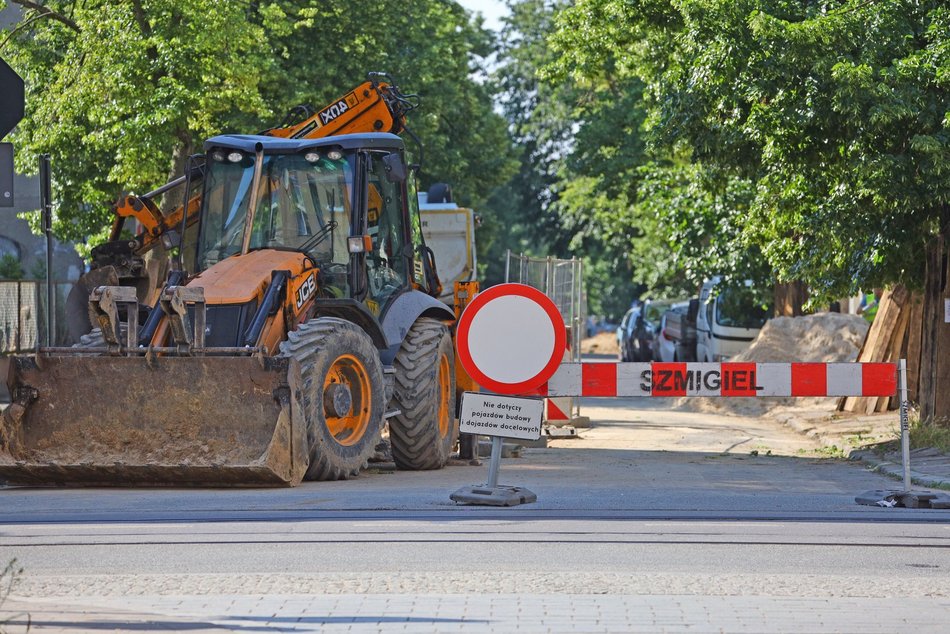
x: 46, y: 12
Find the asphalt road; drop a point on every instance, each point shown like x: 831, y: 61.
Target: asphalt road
x: 653, y: 520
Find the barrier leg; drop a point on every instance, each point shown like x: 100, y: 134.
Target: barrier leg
x: 905, y: 423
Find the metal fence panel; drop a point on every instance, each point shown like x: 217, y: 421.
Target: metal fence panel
x: 562, y: 281
x: 23, y: 315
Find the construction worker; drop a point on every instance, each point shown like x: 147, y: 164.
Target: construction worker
x: 869, y: 304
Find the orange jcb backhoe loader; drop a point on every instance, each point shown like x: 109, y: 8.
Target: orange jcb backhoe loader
x: 377, y: 105
x: 293, y: 327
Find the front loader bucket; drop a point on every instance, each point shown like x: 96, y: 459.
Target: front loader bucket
x: 107, y: 420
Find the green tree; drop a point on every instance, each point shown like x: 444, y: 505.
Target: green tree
x: 676, y: 216
x: 834, y: 112
x: 121, y: 92
x: 839, y: 113
x: 571, y: 135
x: 10, y: 267
x: 539, y: 121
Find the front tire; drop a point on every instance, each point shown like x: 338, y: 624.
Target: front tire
x: 342, y: 395
x: 424, y: 432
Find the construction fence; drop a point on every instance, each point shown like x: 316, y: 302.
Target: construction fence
x: 23, y: 315
x: 563, y: 282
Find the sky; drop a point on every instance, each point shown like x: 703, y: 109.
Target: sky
x: 492, y: 10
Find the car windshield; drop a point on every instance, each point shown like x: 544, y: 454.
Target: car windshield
x: 303, y: 203
x: 654, y: 311
x: 741, y: 307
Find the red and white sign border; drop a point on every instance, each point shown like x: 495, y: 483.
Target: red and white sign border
x: 531, y: 384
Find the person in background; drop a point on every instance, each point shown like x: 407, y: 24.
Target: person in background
x: 869, y: 304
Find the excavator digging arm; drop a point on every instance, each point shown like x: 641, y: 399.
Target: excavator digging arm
x: 376, y: 105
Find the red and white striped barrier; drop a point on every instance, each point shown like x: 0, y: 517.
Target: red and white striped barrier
x: 722, y: 379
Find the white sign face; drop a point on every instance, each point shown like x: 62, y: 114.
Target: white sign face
x: 519, y: 339
x: 946, y: 311
x: 506, y: 416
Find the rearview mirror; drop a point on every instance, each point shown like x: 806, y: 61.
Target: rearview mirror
x: 396, y: 170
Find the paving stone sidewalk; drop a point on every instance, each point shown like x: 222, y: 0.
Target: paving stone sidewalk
x: 427, y: 613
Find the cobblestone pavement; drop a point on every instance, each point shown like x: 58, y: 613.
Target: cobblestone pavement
x: 816, y: 586
x: 528, y: 612
x: 481, y: 601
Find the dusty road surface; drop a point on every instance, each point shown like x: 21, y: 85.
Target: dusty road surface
x: 652, y: 520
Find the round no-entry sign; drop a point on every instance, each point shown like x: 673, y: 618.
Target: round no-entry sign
x: 511, y: 338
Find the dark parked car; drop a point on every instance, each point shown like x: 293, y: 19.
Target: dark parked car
x: 638, y: 334
x: 625, y: 330
x: 676, y: 338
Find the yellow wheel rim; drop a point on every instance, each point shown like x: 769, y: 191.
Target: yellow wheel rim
x: 445, y: 395
x: 347, y: 375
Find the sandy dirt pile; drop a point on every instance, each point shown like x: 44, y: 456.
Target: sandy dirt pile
x: 601, y: 343
x: 820, y: 338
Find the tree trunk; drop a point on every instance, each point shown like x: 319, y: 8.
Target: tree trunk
x: 789, y: 298
x: 183, y: 149
x: 913, y: 346
x: 935, y: 338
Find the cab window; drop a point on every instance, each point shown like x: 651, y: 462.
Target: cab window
x: 386, y: 263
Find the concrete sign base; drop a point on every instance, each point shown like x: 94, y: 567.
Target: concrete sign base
x: 904, y: 499
x: 500, y: 495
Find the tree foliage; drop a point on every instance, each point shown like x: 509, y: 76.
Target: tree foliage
x: 539, y: 120
x: 431, y: 48
x: 565, y: 197
x: 119, y: 92
x: 665, y: 140
x: 116, y: 91
x: 814, y: 134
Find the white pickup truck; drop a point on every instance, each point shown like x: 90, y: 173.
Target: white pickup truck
x: 728, y: 320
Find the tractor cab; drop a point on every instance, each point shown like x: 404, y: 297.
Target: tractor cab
x: 342, y: 202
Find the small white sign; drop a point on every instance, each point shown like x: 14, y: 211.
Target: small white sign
x: 506, y: 416
x: 946, y: 311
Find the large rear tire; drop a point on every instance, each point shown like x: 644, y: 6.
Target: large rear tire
x: 342, y: 380
x: 424, y: 432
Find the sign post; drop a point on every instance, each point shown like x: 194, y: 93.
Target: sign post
x: 511, y: 339
x: 498, y: 417
x: 46, y: 207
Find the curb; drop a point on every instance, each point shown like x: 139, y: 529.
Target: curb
x: 886, y: 467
